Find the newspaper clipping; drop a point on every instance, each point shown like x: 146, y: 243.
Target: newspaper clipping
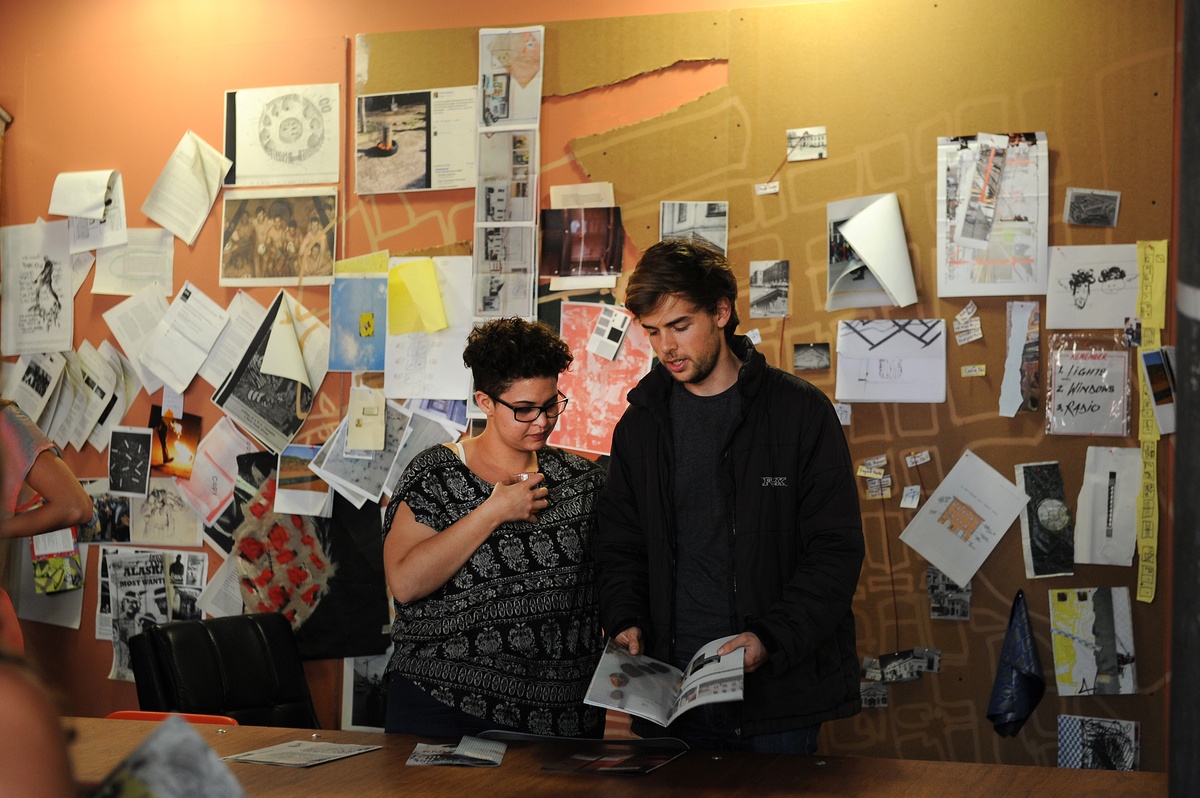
x: 138, y: 587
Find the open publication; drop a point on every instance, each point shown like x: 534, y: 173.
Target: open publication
x: 659, y: 692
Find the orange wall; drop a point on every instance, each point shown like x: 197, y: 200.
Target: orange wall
x: 115, y: 84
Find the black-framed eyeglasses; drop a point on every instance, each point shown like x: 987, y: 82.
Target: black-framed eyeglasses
x: 529, y: 413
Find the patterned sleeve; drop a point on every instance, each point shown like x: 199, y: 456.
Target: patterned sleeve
x: 418, y: 487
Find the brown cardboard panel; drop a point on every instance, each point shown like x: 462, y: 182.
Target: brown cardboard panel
x: 886, y: 79
x: 579, y: 54
x: 681, y: 155
x: 416, y: 60
x: 585, y: 54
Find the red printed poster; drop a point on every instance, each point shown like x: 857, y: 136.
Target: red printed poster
x: 595, y: 384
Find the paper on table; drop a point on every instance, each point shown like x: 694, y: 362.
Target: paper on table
x: 187, y: 187
x: 1020, y: 315
x: 1092, y: 287
x: 301, y: 753
x: 965, y: 518
x: 132, y: 321
x: 882, y: 360
x: 183, y: 337
x: 37, y: 309
x: 147, y: 257
x: 245, y: 316
x: 874, y: 232
x: 1106, y: 512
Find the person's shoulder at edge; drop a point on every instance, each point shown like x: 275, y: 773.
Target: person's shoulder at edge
x: 34, y: 757
x: 572, y: 459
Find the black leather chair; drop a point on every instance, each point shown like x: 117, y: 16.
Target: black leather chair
x: 244, y: 666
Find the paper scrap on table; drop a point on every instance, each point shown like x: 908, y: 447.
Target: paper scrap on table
x: 184, y: 193
x: 1106, y: 511
x: 868, y: 254
x: 882, y: 360
x: 965, y: 518
x: 147, y: 256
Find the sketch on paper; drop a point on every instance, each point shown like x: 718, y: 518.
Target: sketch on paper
x: 163, y: 517
x: 882, y: 360
x: 1092, y: 287
x: 38, y: 302
x: 695, y: 221
x: 1014, y: 258
x: 1098, y: 743
x: 282, y: 135
x: 769, y: 289
x: 595, y: 384
x: 1092, y: 636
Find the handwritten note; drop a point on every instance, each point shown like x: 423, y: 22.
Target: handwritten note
x: 1089, y: 393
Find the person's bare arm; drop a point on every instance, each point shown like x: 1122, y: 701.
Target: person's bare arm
x: 65, y: 502
x: 419, y: 560
x: 33, y: 757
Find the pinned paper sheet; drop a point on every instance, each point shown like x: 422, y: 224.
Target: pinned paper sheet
x: 283, y: 356
x: 414, y: 300
x: 81, y: 194
x: 868, y: 254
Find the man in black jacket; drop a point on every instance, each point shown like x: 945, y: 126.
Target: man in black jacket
x: 730, y: 509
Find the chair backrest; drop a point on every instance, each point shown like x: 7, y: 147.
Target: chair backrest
x: 245, y: 667
x: 190, y: 717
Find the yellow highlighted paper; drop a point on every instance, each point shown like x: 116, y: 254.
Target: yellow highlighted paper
x: 414, y: 299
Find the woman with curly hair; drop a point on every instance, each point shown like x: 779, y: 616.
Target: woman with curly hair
x: 487, y: 549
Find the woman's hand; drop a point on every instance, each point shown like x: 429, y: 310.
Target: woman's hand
x: 520, y: 498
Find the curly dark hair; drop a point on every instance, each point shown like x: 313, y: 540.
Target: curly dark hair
x: 691, y: 269
x: 501, y: 351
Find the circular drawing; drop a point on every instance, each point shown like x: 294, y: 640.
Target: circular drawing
x: 290, y: 129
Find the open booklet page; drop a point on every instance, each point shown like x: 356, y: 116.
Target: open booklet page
x: 470, y: 751
x: 659, y: 692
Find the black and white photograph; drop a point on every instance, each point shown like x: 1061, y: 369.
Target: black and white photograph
x: 129, y: 461
x: 1092, y: 207
x: 582, y: 242
x: 873, y: 694
x: 278, y: 237
x: 806, y: 144
x: 947, y: 601
x: 163, y: 517
x: 364, y: 692
x: 810, y: 357
x: 695, y: 221
x: 901, y: 666
x: 111, y: 519
x: 769, y: 289
x: 505, y: 161
x: 507, y: 293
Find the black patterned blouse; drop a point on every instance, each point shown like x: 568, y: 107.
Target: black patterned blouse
x: 514, y: 636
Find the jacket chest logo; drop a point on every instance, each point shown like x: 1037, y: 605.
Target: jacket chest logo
x: 774, y: 482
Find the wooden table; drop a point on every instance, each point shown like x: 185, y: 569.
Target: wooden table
x: 101, y: 744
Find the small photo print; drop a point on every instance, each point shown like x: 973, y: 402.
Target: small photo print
x: 278, y: 237
x: 707, y: 222
x: 807, y: 357
x: 873, y: 694
x: 1092, y: 207
x: 129, y: 461
x: 806, y: 144
x: 769, y: 289
x: 947, y: 601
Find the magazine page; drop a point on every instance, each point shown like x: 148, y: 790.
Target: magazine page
x: 710, y: 678
x: 138, y: 589
x: 301, y: 753
x: 470, y: 751
x: 638, y: 684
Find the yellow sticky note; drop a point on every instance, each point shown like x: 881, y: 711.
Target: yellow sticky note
x: 420, y: 278
x: 374, y: 263
x: 402, y: 314
x: 1152, y: 283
